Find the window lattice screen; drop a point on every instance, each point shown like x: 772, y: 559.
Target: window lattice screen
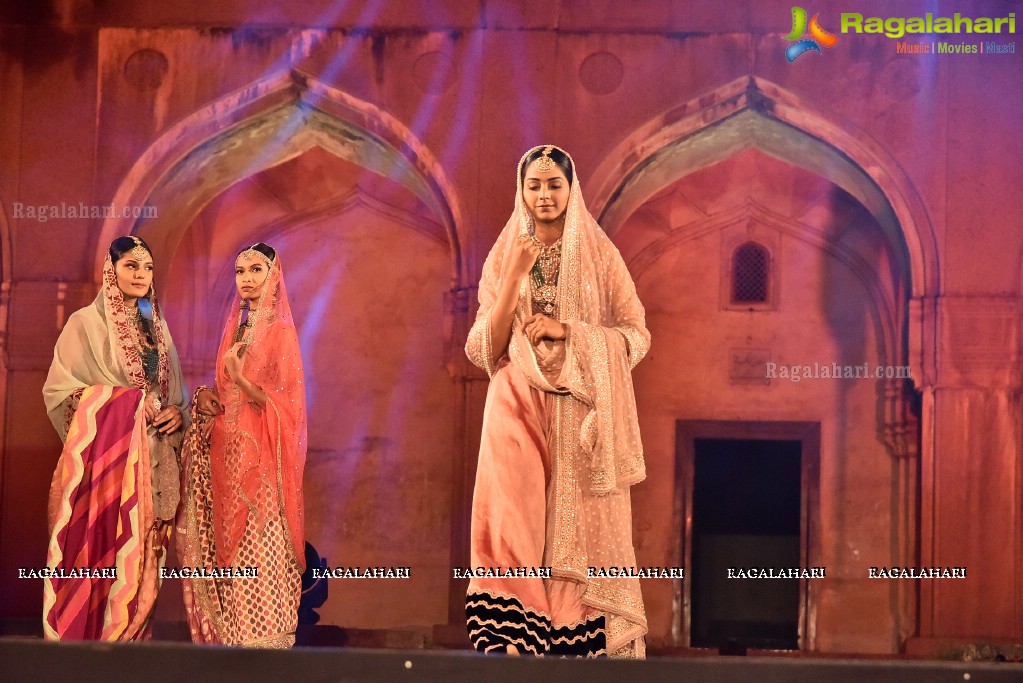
x: 750, y: 266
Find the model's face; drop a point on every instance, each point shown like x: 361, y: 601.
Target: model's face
x: 249, y: 275
x: 134, y: 275
x: 545, y: 192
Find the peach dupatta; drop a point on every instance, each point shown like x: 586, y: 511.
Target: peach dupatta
x: 592, y: 438
x: 243, y: 504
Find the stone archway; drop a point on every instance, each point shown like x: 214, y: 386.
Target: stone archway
x: 755, y: 116
x: 757, y: 113
x: 262, y: 125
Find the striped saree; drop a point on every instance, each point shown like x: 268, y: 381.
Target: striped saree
x: 101, y: 518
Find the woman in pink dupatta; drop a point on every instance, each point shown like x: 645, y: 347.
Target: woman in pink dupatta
x: 114, y: 394
x: 558, y: 331
x: 244, y: 458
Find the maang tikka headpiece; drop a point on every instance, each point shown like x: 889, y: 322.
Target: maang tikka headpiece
x: 139, y: 251
x: 252, y: 253
x: 544, y: 163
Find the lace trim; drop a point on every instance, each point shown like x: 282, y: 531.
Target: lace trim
x: 281, y: 641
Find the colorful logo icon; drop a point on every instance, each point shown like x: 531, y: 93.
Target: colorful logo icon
x: 819, y: 37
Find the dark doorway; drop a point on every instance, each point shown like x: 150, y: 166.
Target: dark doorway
x: 746, y: 515
x: 746, y: 497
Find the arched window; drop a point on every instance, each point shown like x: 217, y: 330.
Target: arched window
x: 751, y: 270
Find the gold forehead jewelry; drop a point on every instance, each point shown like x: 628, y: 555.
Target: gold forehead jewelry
x: 544, y: 163
x: 252, y: 253
x: 139, y: 251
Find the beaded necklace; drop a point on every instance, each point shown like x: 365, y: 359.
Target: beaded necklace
x: 543, y: 278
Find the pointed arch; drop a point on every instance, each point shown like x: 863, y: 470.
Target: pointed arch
x: 262, y: 125
x: 753, y: 112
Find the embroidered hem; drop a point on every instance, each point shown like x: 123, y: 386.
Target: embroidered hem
x: 494, y: 622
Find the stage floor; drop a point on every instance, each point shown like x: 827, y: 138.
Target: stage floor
x: 24, y: 659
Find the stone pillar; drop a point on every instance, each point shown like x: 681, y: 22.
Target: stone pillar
x: 971, y: 502
x: 901, y: 435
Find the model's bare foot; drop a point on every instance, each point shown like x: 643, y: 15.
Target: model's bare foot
x: 511, y: 650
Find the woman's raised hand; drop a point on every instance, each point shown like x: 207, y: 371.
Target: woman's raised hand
x: 521, y: 258
x: 233, y: 361
x: 517, y: 263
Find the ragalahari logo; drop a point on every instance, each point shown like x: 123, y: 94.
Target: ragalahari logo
x: 819, y: 37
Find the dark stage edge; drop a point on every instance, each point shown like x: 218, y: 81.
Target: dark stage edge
x: 33, y: 660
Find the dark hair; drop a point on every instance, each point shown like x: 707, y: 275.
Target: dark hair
x: 122, y: 245
x: 556, y: 155
x: 264, y: 249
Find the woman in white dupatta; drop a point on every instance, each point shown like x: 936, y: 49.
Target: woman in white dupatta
x: 115, y: 395
x: 558, y: 331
